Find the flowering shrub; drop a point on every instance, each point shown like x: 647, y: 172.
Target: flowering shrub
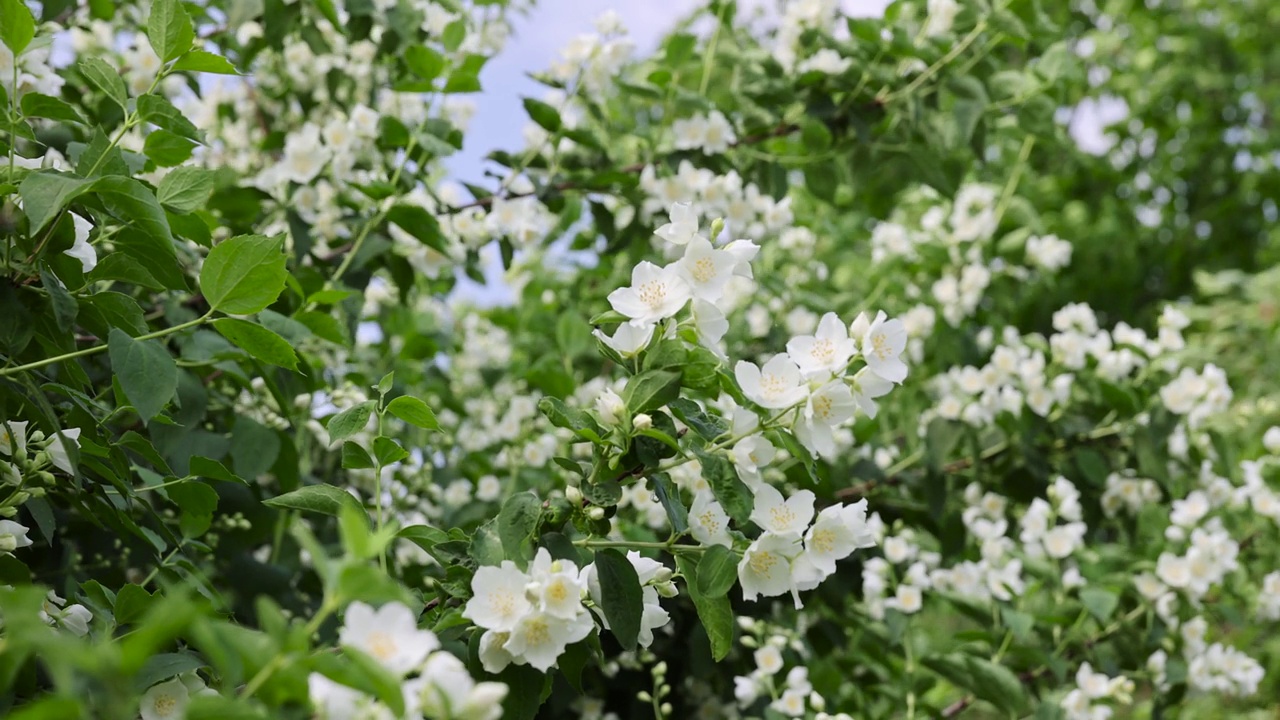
x: 808, y: 366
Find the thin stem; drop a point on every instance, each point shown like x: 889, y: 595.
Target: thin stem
x: 1006, y: 197
x: 933, y: 69
x: 99, y: 348
x: 175, y: 481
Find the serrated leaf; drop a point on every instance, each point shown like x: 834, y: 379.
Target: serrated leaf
x: 413, y: 411
x: 145, y: 370
x: 244, y: 275
x: 185, y: 189
x: 45, y: 106
x: 323, y: 499
x: 105, y: 78
x: 258, y: 341
x: 169, y: 29
x: 349, y: 421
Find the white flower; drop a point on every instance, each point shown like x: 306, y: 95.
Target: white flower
x: 13, y: 536
x: 824, y: 353
x: 655, y: 293
x: 776, y: 386
x: 780, y: 516
x: 610, y: 408
x: 58, y: 451
x: 828, y: 406
x: 765, y: 568
x: 334, y: 701
x: 838, y: 531
x: 389, y: 634
x: 80, y: 248
x: 683, y: 226
x: 768, y: 659
x: 1271, y: 440
x: 493, y: 652
x: 743, y: 252
x: 165, y: 701
x: 867, y: 387
x: 711, y: 325
x: 13, y: 437
x: 907, y: 599
x: 539, y: 638
x: 708, y: 522
x: 882, y: 344
x: 706, y: 269
x: 75, y: 618
x: 791, y: 704
x: 556, y: 585
x: 826, y: 61
x: 446, y: 690
x: 749, y: 455
x: 498, y: 597
x: 628, y: 339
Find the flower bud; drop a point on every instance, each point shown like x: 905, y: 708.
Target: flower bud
x: 666, y: 590
x: 663, y: 575
x: 610, y: 407
x: 573, y: 495
x: 642, y: 422
x: 596, y: 513
x: 644, y: 696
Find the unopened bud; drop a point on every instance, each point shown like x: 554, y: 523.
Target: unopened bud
x: 660, y: 669
x: 8, y: 543
x: 666, y: 590
x: 610, y: 407
x: 573, y: 495
x: 644, y: 696
x: 717, y: 227
x: 642, y: 422
x: 662, y: 575
x: 596, y: 513
x: 666, y: 708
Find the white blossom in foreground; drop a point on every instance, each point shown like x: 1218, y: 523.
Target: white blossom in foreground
x: 655, y: 294
x: 389, y: 634
x: 882, y: 346
x: 776, y: 386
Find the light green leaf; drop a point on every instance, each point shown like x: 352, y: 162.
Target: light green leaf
x: 424, y: 62
x: 413, y: 411
x: 1100, y: 602
x: 45, y: 194
x: 147, y: 373
x: 17, y: 25
x: 258, y: 341
x: 205, y: 62
x: 185, y: 189
x: 160, y: 112
x: 244, y: 275
x: 323, y: 499
x: 169, y: 29
x: 349, y: 421
x: 105, y: 78
x: 387, y: 451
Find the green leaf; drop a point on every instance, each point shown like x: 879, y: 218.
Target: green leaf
x: 349, y: 421
x: 424, y: 62
x: 547, y: 117
x: 517, y: 521
x: 733, y: 494
x: 987, y: 680
x: 386, y: 686
x: 164, y: 666
x: 605, y: 493
x: 388, y: 451
x: 167, y: 149
x: 44, y: 106
x: 105, y: 310
x: 563, y: 416
x: 105, y: 78
x: 621, y: 596
x: 527, y: 690
x: 940, y: 439
x: 197, y: 501
x: 146, y: 372
x: 420, y: 224
x: 323, y: 499
x: 413, y: 411
x: 708, y: 427
x: 244, y: 275
x: 169, y: 29
x: 1100, y: 602
x: 258, y: 341
x: 132, y: 602
x: 17, y: 25
x: 158, y: 111
x: 205, y: 62
x: 651, y: 390
x: 355, y: 457
x: 669, y: 495
x: 717, y: 571
x: 185, y: 189
x: 715, y: 613
x: 47, y: 193
x: 64, y: 305
x: 213, y: 470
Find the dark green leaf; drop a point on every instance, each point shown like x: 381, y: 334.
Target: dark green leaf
x: 145, y: 370
x: 355, y: 457
x: 517, y: 522
x: 105, y: 78
x: 717, y: 571
x: 651, y: 390
x: 324, y: 499
x: 621, y: 596
x: 349, y: 421
x: 546, y: 116
x: 185, y: 189
x: 413, y: 411
x: 716, y: 614
x: 169, y: 29
x: 258, y: 341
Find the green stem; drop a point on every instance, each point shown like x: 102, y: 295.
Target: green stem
x: 5, y: 372
x: 175, y: 481
x: 1006, y: 197
x: 639, y: 545
x: 933, y: 69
